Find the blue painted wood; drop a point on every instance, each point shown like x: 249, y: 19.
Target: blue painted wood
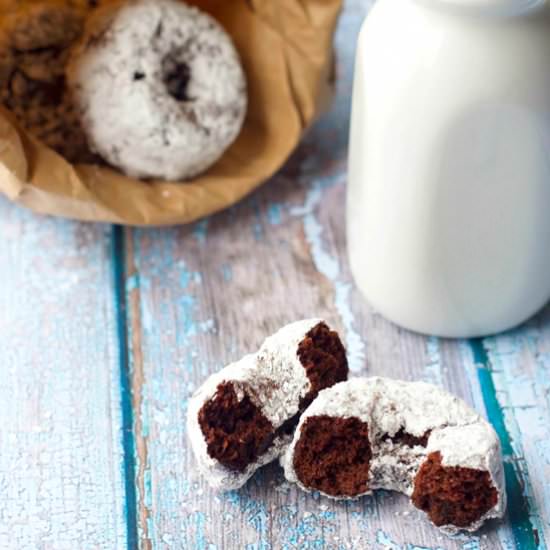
x: 104, y: 335
x: 204, y: 295
x: 514, y: 376
x: 518, y: 508
x: 61, y: 477
x: 126, y: 405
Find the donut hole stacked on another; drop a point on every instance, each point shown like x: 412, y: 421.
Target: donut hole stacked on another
x: 244, y: 416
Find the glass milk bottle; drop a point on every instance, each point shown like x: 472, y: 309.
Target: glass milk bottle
x: 448, y: 215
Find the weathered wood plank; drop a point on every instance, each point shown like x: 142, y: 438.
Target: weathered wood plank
x: 197, y: 298
x: 513, y: 370
x: 203, y: 304
x: 61, y: 477
x: 204, y: 295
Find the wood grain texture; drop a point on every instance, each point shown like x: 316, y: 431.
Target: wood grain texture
x: 204, y: 295
x: 61, y: 478
x: 88, y: 313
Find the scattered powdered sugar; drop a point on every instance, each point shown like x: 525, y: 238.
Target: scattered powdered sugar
x: 390, y: 407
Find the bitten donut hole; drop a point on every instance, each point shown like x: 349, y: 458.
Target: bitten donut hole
x: 452, y: 495
x: 236, y: 431
x: 333, y: 455
x: 323, y: 356
x: 176, y: 75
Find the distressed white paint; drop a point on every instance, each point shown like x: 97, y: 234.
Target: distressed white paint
x: 275, y: 258
x: 61, y: 479
x: 205, y: 295
x: 522, y: 380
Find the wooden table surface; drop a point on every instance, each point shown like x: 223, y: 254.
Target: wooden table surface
x: 105, y: 332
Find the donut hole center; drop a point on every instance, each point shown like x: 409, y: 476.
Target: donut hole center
x: 176, y: 75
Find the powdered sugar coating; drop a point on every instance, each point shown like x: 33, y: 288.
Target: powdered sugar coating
x: 275, y: 381
x: 126, y: 71
x: 473, y: 446
x: 387, y: 406
x: 278, y: 360
x: 243, y: 375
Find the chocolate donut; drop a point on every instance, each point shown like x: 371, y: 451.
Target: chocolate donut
x: 411, y: 437
x: 160, y: 88
x: 243, y: 416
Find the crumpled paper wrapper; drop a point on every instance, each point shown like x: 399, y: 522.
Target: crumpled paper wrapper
x: 286, y: 50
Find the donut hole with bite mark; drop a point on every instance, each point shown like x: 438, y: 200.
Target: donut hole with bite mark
x: 452, y: 495
x: 323, y: 357
x: 333, y: 455
x: 235, y: 430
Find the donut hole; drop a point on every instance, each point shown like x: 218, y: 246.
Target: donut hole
x: 236, y: 431
x: 452, y: 495
x: 323, y: 357
x: 138, y: 75
x: 176, y: 75
x: 333, y: 455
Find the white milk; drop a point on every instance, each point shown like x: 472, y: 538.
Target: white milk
x: 449, y: 180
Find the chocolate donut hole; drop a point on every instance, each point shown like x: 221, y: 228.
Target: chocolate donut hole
x: 236, y: 432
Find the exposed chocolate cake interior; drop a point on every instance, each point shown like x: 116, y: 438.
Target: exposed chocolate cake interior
x: 324, y: 358
x: 236, y: 432
x: 452, y: 495
x: 333, y: 455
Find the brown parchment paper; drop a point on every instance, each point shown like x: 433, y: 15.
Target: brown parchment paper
x: 286, y: 50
